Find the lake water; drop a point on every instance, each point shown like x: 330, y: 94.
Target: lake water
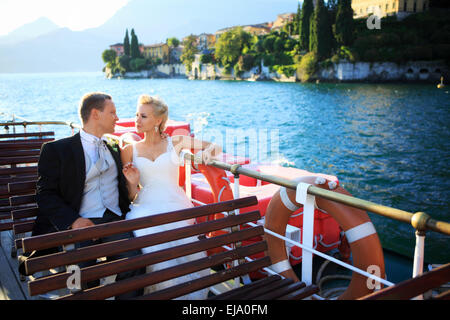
x: 387, y: 143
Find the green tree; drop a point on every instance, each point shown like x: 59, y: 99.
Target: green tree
x: 189, y: 51
x: 305, y: 22
x: 297, y: 19
x: 307, y: 67
x: 123, y: 63
x: 321, y: 36
x: 230, y: 46
x: 138, y: 64
x: 344, y: 30
x: 134, y: 46
x: 173, y: 42
x: 126, y: 44
x: 207, y: 58
x: 109, y: 57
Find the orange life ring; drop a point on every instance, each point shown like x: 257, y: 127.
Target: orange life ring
x: 221, y: 191
x: 359, y: 231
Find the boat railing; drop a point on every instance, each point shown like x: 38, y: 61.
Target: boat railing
x: 420, y: 221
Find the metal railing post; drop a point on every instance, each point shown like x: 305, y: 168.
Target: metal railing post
x: 236, y: 195
x: 308, y: 201
x: 187, y: 169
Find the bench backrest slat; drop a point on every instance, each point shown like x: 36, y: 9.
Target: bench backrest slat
x: 22, y: 200
x: 18, y: 171
x: 4, y: 226
x: 19, y: 153
x: 72, y: 236
x: 58, y: 281
x: 123, y: 286
x: 18, y: 160
x: 21, y: 178
x: 24, y: 213
x: 7, y: 143
x: 23, y: 227
x: 218, y: 277
x: 15, y: 188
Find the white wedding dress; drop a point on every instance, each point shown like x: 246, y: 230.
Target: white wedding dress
x: 160, y: 193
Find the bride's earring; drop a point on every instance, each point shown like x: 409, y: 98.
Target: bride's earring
x: 156, y: 128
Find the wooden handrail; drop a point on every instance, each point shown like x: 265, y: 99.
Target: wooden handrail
x: 26, y: 134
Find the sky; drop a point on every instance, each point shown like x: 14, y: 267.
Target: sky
x: 73, y: 14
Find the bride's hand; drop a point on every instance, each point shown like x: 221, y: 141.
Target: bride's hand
x: 211, y: 153
x: 131, y: 173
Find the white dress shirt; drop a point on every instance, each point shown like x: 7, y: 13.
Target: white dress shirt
x: 89, y: 143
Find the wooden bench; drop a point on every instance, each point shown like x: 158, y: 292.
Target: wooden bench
x: 20, y: 204
x: 414, y: 287
x: 270, y: 288
x: 19, y: 155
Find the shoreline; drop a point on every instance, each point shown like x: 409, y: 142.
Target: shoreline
x: 342, y: 72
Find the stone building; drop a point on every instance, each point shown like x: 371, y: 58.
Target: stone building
x: 382, y: 8
x: 160, y: 50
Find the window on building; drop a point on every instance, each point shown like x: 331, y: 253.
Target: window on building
x: 393, y: 5
x: 387, y: 7
x: 424, y: 5
x: 415, y: 6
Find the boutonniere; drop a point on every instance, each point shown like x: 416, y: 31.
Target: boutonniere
x: 114, y: 145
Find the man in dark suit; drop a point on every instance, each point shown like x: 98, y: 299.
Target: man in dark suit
x: 81, y: 182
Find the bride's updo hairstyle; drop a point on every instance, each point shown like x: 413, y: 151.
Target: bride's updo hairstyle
x: 160, y: 109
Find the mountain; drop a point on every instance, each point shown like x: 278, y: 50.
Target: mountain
x: 57, y: 51
x: 154, y: 21
x: 29, y: 31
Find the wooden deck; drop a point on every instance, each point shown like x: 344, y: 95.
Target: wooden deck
x: 11, y: 288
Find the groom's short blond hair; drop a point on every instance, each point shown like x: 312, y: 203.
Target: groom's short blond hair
x: 93, y: 100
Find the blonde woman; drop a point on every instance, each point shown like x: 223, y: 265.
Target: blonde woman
x: 153, y: 163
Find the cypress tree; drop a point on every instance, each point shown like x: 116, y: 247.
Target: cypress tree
x: 345, y: 28
x: 126, y: 44
x: 134, y: 47
x: 305, y: 17
x: 297, y: 19
x: 321, y: 36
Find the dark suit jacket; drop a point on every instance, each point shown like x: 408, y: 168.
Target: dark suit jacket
x: 62, y: 174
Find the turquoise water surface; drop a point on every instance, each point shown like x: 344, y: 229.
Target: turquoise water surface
x: 387, y: 143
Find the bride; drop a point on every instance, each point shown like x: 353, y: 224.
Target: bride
x: 153, y: 163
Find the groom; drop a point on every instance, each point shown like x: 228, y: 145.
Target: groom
x: 81, y: 182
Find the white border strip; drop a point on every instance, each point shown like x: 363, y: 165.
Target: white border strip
x: 286, y: 201
x: 359, y: 232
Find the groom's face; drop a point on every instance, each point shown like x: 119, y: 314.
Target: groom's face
x: 108, y: 117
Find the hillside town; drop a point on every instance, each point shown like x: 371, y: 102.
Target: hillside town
x: 205, y: 43
x: 335, y: 49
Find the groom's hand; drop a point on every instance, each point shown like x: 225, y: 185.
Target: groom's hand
x: 82, y: 223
